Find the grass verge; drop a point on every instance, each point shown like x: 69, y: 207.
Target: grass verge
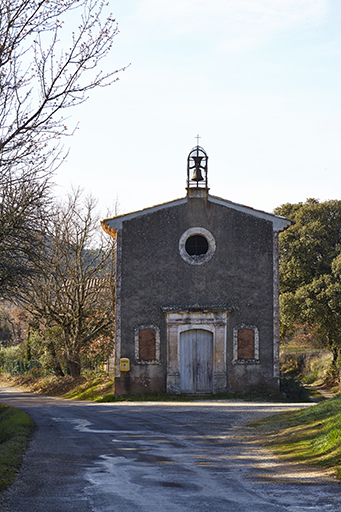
x: 100, y: 388
x: 15, y: 431
x: 83, y: 388
x: 311, y: 436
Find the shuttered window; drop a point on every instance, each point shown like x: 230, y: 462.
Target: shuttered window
x: 147, y: 345
x: 246, y: 344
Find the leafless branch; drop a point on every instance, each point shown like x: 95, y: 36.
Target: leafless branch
x: 71, y: 288
x: 50, y: 52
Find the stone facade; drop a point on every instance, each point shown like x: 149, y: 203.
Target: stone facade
x: 230, y: 291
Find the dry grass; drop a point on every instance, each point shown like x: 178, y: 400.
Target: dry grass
x: 83, y: 388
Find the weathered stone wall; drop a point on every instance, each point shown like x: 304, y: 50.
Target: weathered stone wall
x: 240, y: 275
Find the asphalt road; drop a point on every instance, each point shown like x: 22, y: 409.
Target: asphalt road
x: 160, y: 457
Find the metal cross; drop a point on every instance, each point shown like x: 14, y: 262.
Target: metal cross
x: 197, y: 137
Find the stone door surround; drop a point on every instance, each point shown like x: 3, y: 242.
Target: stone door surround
x: 213, y: 319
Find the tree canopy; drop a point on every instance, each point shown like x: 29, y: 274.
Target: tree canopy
x: 310, y: 270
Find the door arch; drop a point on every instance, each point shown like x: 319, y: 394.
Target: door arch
x: 196, y: 361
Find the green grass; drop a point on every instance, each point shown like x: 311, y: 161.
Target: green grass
x: 311, y: 435
x: 15, y: 430
x: 92, y: 389
x: 316, y: 395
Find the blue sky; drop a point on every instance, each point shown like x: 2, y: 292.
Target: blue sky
x: 258, y: 80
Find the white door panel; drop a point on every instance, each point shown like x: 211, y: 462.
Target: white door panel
x: 196, y: 361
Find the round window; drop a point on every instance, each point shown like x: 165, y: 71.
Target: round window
x: 197, y: 246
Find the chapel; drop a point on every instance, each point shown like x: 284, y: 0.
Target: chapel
x: 197, y: 293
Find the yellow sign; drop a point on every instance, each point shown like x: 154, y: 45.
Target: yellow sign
x: 124, y: 364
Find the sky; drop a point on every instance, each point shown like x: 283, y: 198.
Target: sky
x: 258, y: 80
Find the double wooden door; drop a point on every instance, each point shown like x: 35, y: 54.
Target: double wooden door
x: 196, y: 361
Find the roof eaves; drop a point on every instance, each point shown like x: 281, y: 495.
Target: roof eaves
x: 111, y: 225
x: 117, y: 221
x: 279, y: 223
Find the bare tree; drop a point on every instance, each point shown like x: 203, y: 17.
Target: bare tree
x: 14, y: 324
x: 47, y: 66
x: 23, y: 216
x: 72, y: 287
x: 40, y: 79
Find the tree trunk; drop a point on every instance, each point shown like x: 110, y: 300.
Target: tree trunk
x: 74, y: 369
x: 56, y: 366
x: 58, y: 370
x: 336, y: 363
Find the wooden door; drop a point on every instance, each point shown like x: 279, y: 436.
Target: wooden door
x: 196, y: 361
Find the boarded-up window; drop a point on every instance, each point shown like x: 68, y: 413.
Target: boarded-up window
x: 147, y: 344
x: 246, y: 344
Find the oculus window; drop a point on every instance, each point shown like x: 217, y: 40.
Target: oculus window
x: 197, y: 246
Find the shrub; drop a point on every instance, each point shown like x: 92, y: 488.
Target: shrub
x: 293, y: 389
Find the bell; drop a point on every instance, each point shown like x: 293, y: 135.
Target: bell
x: 197, y: 176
